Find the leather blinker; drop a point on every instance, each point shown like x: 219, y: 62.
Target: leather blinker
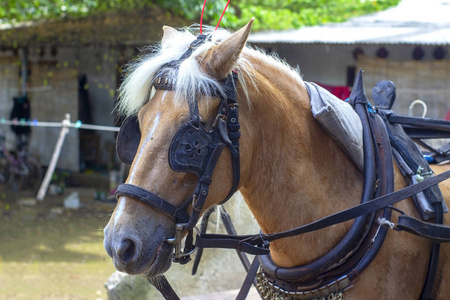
x: 190, y: 148
x: 128, y: 139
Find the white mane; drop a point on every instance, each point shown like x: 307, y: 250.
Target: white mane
x: 190, y: 79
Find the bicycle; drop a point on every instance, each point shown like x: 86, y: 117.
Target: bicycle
x: 19, y: 169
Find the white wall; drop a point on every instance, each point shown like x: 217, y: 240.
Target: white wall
x: 328, y: 64
x: 58, y: 73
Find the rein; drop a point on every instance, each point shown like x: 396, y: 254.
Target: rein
x: 257, y: 244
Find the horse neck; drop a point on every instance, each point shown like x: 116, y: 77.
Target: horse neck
x: 295, y: 173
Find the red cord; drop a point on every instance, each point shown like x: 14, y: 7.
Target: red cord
x: 217, y: 26
x: 220, y: 19
x: 201, y: 18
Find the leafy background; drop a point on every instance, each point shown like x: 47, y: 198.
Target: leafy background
x: 270, y: 14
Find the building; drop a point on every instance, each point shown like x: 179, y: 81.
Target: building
x: 73, y: 66
x: 408, y: 44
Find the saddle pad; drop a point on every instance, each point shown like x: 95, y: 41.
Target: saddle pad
x: 339, y: 119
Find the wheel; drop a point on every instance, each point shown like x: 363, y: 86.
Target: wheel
x: 31, y: 181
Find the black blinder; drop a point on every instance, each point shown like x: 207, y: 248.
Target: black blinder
x: 128, y: 139
x: 191, y: 148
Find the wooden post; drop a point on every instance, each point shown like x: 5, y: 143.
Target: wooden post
x: 51, y: 168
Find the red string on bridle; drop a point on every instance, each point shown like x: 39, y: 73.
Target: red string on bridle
x: 220, y: 19
x: 201, y: 17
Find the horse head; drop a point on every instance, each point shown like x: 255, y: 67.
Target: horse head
x: 176, y: 138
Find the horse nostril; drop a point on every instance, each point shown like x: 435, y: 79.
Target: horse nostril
x: 127, y: 251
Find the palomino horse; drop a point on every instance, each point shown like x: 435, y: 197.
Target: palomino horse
x: 291, y: 171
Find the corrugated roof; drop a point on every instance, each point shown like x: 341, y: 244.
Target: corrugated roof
x: 411, y: 22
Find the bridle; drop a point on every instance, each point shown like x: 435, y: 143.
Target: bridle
x: 193, y: 149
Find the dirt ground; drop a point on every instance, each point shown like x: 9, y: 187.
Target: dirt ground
x: 48, y: 252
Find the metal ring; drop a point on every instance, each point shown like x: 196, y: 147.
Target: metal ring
x: 421, y: 102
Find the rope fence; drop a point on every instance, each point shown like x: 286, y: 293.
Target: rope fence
x: 65, y: 123
x: 65, y: 126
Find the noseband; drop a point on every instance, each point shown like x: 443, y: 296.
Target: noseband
x: 193, y: 149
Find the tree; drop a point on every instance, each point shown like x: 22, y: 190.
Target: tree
x: 269, y: 14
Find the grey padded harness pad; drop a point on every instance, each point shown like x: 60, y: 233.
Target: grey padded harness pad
x: 340, y: 120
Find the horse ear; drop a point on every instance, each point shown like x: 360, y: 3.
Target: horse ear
x: 168, y: 34
x: 225, y: 54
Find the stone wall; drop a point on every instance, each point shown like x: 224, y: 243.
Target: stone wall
x: 51, y: 105
x: 425, y: 80
x: 53, y: 90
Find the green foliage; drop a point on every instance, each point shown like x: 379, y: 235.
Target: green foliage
x: 298, y: 13
x: 269, y: 14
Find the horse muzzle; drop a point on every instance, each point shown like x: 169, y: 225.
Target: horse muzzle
x: 132, y: 256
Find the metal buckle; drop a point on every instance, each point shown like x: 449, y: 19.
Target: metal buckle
x: 218, y: 118
x: 178, y: 255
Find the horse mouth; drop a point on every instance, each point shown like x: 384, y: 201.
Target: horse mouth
x: 149, y: 263
x: 161, y: 261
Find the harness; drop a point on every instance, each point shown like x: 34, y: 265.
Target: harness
x: 196, y: 150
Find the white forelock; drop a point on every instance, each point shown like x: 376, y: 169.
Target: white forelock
x: 190, y: 79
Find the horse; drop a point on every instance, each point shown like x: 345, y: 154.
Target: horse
x: 292, y: 171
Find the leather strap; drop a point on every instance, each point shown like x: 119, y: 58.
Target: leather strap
x: 203, y: 228
x: 229, y: 227
x: 253, y: 244
x: 434, y: 258
x: 251, y: 274
x: 162, y: 285
x: 136, y: 192
x: 436, y: 232
x: 425, y: 133
x: 422, y: 128
x: 420, y: 122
